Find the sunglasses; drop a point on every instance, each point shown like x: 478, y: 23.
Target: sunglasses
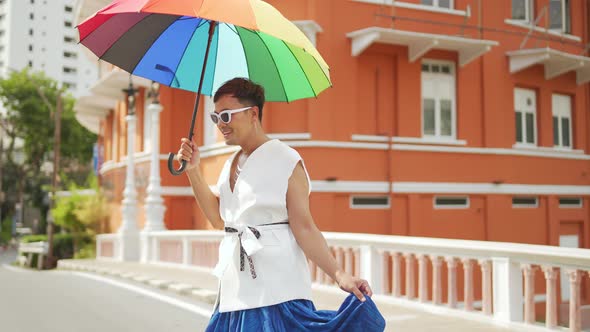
x: 225, y: 116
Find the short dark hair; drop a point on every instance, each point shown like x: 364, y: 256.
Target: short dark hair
x: 246, y: 91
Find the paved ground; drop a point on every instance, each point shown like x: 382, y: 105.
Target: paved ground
x: 70, y: 301
x: 201, y: 285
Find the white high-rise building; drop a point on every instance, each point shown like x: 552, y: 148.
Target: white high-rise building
x: 41, y: 34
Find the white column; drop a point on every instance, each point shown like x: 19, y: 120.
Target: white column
x: 371, y: 268
x: 154, y: 203
x: 507, y: 290
x: 128, y: 231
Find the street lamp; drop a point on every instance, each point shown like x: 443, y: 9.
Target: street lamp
x: 128, y: 230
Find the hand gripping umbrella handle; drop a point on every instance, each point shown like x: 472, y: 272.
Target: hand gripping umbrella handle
x: 175, y: 172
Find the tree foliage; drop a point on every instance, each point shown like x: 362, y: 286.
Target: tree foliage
x: 30, y: 100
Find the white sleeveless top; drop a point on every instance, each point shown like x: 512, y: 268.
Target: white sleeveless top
x: 279, y: 270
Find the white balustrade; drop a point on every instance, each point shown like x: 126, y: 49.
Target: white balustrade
x: 505, y: 268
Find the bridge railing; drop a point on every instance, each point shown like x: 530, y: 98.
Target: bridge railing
x: 507, y: 283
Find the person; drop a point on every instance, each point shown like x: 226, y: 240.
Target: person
x: 263, y: 206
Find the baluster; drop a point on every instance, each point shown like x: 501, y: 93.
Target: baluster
x: 436, y: 279
x: 339, y: 253
x: 452, y: 281
x: 551, y: 302
x: 486, y: 285
x: 385, y: 271
x: 529, y: 293
x: 396, y: 275
x: 468, y: 284
x: 348, y: 261
x: 357, y: 261
x: 409, y: 275
x: 422, y: 278
x: 312, y: 268
x: 575, y: 278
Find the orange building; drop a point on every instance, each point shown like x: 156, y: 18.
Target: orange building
x: 462, y: 119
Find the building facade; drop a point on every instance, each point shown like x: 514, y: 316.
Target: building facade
x: 40, y: 35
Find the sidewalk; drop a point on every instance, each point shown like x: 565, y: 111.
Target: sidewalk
x: 202, y: 285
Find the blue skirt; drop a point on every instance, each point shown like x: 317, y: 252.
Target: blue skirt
x: 301, y: 315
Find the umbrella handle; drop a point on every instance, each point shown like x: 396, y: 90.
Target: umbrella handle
x: 171, y: 165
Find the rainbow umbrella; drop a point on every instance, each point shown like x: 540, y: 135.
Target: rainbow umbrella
x: 197, y: 45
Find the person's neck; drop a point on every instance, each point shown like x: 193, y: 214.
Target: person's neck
x: 253, y: 143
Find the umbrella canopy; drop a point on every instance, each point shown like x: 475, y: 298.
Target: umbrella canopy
x: 165, y: 41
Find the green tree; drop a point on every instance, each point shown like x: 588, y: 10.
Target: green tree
x: 30, y: 100
x: 82, y: 214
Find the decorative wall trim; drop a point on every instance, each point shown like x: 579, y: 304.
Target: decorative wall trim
x: 415, y: 6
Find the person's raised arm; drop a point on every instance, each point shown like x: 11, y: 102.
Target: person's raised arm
x: 206, y: 199
x: 311, y: 240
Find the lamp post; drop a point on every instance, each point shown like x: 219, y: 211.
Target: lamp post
x: 154, y: 203
x: 128, y: 231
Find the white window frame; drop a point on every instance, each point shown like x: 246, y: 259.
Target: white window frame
x: 520, y: 95
x: 450, y: 207
x: 436, y: 79
x: 520, y: 206
x: 564, y: 19
x: 209, y: 128
x: 147, y: 125
x: 529, y: 11
x: 561, y: 106
x: 435, y: 3
x: 369, y: 207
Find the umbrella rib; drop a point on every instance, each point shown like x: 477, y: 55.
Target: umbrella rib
x: 300, y: 66
x: 276, y: 66
x: 244, y: 49
x: 214, y: 59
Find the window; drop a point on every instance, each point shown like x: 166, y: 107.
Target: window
x: 438, y: 99
x: 523, y: 202
x: 70, y: 55
x: 448, y: 4
x: 31, y: 16
x: 30, y: 32
x: 69, y: 70
x: 562, y: 121
x: 560, y: 15
x: 69, y: 40
x: 69, y: 85
x: 522, y: 10
x: 30, y: 64
x: 451, y: 202
x: 30, y: 48
x: 369, y: 202
x: 68, y: 24
x: 68, y: 9
x: 525, y: 113
x: 570, y: 202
